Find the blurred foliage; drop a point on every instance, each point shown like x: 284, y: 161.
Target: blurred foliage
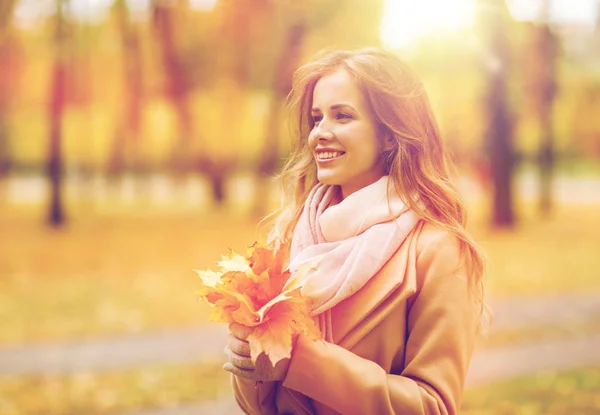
x: 169, y: 87
x: 461, y: 57
x: 546, y: 393
x: 6, y: 10
x: 228, y: 66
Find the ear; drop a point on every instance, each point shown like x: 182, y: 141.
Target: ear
x: 389, y: 142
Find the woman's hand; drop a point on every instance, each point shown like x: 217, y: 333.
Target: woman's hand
x: 240, y: 364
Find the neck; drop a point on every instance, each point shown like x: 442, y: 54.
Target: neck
x: 347, y: 190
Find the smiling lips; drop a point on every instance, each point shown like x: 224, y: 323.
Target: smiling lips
x: 327, y: 155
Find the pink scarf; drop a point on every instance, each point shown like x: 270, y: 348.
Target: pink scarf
x: 349, y: 242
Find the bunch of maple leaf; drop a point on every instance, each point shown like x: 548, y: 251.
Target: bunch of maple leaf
x: 252, y: 291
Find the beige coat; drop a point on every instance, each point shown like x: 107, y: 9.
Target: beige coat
x: 402, y: 343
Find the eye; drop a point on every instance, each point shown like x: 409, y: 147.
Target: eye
x: 316, y: 119
x: 343, y: 116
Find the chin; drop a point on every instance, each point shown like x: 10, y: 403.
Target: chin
x: 328, y: 179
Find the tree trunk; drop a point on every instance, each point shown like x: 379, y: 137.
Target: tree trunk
x: 501, y: 156
x: 176, y: 88
x: 501, y: 153
x: 125, y: 151
x: 217, y: 186
x: 288, y: 62
x: 236, y: 44
x: 269, y: 162
x: 11, y: 68
x: 545, y: 49
x: 6, y: 11
x: 546, y: 162
x: 56, y: 213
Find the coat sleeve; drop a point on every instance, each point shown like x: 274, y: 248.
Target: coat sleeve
x: 442, y: 327
x: 254, y: 400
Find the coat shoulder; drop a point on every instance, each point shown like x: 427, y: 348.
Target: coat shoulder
x: 437, y: 246
x: 434, y: 237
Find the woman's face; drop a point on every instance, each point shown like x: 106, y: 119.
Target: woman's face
x: 344, y: 140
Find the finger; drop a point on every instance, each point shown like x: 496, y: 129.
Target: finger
x: 241, y: 362
x: 242, y: 373
x: 240, y: 331
x: 238, y: 346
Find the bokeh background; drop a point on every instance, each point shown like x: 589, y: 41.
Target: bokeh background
x: 139, y: 140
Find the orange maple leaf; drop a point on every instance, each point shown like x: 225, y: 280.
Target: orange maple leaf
x: 250, y: 291
x: 286, y: 319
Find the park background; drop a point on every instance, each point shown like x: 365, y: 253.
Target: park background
x: 139, y: 140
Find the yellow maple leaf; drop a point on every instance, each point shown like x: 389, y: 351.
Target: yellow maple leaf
x: 234, y: 262
x: 209, y: 278
x: 259, y: 292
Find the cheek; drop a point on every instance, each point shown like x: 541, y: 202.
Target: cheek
x: 311, y: 140
x: 367, y: 144
x: 370, y: 152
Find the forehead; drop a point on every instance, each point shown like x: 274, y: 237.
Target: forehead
x: 335, y: 88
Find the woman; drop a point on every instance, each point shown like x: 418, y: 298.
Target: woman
x: 397, y: 290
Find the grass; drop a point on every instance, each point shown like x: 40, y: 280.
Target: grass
x: 549, y: 393
x: 107, y: 393
x: 106, y: 274
x: 543, y: 256
x: 574, y: 392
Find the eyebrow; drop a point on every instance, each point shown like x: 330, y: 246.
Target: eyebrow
x: 335, y: 107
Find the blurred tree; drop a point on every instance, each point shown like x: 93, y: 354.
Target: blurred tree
x: 177, y: 88
x: 303, y: 28
x: 287, y: 63
x: 585, y: 120
x: 494, y: 19
x: 544, y: 50
x: 125, y: 151
x: 234, y: 60
x: 56, y: 212
x: 6, y: 11
x: 10, y: 60
x: 457, y: 104
x: 269, y: 159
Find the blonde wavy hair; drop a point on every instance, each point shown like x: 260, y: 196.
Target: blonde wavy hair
x: 416, y: 163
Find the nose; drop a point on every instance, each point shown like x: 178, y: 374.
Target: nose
x: 323, y: 131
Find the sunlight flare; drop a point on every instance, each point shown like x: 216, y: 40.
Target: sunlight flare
x: 405, y: 21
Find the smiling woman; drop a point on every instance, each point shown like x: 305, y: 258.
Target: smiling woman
x: 374, y: 230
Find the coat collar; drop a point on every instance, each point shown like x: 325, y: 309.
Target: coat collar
x: 394, y: 283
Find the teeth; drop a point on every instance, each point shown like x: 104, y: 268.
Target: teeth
x: 328, y: 155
